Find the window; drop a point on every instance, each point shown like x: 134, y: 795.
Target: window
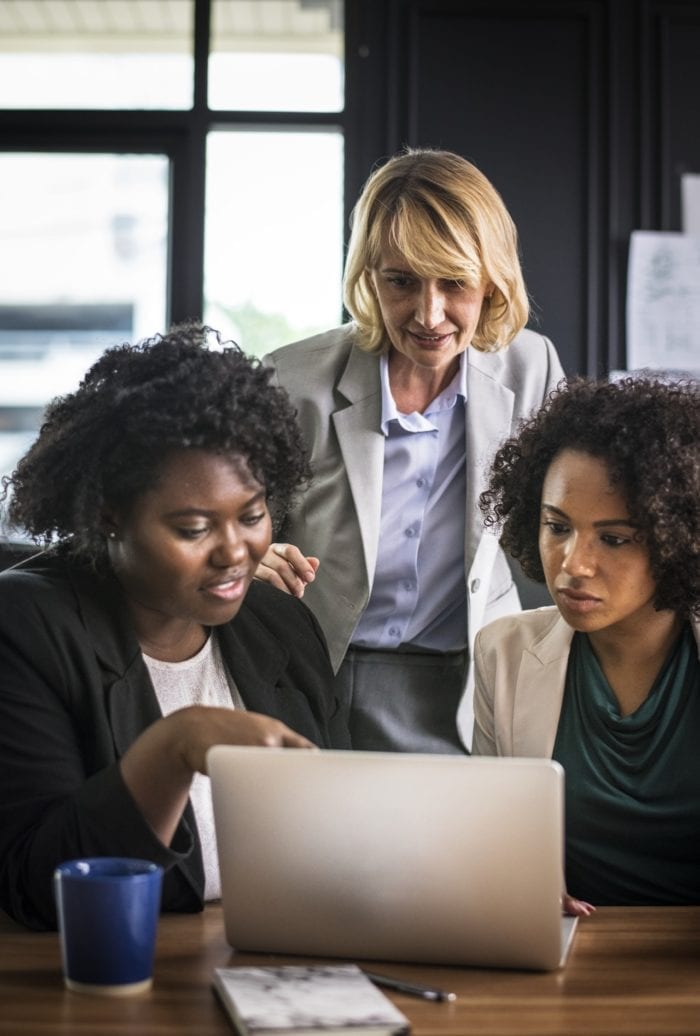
x: 273, y: 260
x: 272, y: 56
x: 162, y: 160
x: 96, y: 54
x: 82, y: 266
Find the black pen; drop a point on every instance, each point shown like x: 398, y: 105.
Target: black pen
x: 409, y: 987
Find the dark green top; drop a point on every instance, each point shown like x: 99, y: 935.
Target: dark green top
x: 632, y: 782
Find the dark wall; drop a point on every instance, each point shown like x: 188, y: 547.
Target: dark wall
x: 584, y: 114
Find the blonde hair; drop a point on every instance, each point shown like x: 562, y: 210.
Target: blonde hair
x: 447, y: 220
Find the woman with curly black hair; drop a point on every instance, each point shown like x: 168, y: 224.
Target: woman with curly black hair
x: 138, y: 639
x: 599, y: 497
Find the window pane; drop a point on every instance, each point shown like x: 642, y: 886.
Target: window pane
x: 96, y: 54
x: 273, y: 256
x: 83, y: 246
x: 277, y: 55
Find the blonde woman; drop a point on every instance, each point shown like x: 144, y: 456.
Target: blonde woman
x: 402, y: 410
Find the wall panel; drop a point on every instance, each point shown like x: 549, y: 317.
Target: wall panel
x: 678, y: 144
x: 584, y: 113
x: 522, y: 99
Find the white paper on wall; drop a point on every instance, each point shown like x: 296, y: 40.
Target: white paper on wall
x: 690, y: 203
x: 663, y: 302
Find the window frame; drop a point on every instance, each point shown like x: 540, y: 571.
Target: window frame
x: 179, y: 135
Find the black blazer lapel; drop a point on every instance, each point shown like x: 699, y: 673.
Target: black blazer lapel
x: 255, y: 660
x: 292, y: 684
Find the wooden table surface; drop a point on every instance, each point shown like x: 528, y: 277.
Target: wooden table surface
x: 631, y: 972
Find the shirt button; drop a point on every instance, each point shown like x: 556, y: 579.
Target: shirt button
x: 393, y: 631
x: 420, y: 482
x: 410, y: 532
x: 407, y: 585
x: 476, y: 583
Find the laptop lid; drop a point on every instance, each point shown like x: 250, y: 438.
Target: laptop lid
x: 393, y: 856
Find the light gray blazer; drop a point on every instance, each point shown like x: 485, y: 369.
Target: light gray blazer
x: 520, y: 663
x: 335, y: 387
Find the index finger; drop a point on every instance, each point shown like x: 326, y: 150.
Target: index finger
x: 294, y: 557
x: 290, y: 739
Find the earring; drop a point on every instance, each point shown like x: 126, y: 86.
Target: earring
x: 112, y: 535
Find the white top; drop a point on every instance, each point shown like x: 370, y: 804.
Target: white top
x: 200, y: 680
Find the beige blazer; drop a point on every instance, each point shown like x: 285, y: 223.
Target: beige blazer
x: 335, y: 387
x: 520, y: 668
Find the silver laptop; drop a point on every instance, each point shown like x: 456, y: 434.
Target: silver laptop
x: 391, y: 856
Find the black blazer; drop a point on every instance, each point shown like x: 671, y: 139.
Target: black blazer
x: 74, y: 695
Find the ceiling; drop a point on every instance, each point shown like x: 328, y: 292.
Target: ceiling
x: 166, y: 25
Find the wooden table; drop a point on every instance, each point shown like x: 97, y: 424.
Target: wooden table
x: 632, y: 972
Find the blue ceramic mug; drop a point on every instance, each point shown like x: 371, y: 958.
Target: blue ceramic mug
x: 108, y: 909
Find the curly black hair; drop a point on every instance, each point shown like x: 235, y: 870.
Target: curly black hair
x: 647, y: 431
x: 105, y: 443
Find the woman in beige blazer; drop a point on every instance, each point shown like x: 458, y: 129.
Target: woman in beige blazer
x: 599, y: 497
x: 402, y: 410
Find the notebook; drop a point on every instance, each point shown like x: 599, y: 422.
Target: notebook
x: 391, y: 856
x: 289, y: 1000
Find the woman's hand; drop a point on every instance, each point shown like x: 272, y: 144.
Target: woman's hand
x: 285, y: 567
x: 158, y: 768
x: 198, y: 727
x: 576, y: 907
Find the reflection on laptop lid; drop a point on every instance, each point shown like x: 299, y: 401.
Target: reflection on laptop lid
x: 391, y: 856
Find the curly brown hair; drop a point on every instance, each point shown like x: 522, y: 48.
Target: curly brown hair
x: 105, y: 443
x: 647, y: 431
